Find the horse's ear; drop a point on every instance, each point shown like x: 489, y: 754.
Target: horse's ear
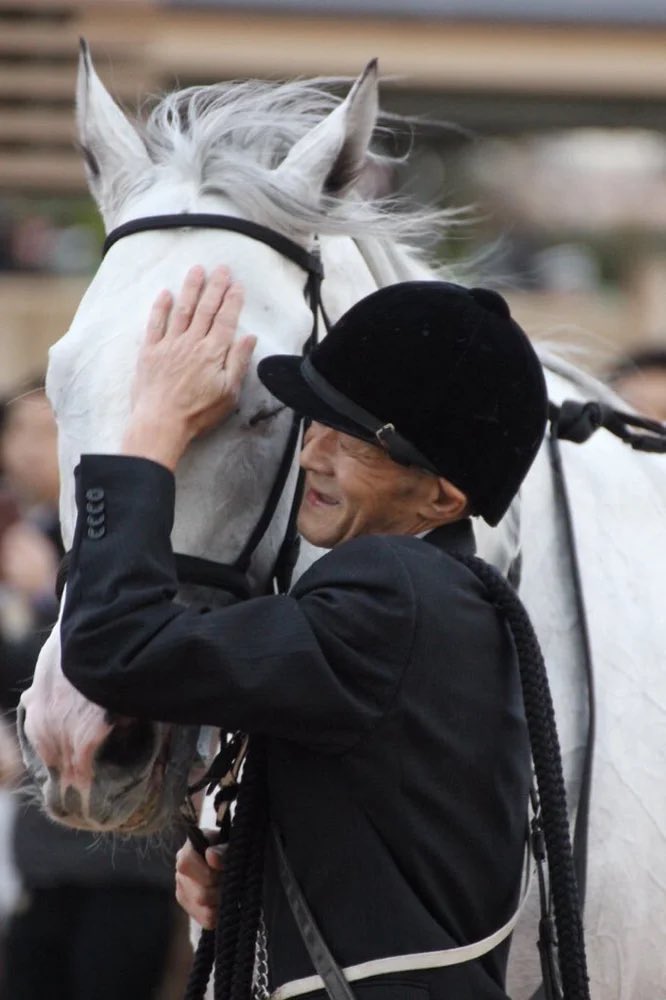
x: 331, y: 157
x: 113, y: 153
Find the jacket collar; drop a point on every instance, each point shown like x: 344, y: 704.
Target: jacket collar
x: 456, y: 537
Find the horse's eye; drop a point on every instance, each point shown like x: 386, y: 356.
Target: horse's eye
x: 265, y: 414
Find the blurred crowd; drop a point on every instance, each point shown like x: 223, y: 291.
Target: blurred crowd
x: 640, y: 378
x: 100, y: 915
x: 36, y: 242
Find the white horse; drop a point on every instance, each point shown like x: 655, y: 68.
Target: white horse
x: 293, y: 157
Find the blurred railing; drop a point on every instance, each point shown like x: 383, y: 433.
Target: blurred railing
x: 38, y: 57
x: 142, y: 46
x: 492, y: 77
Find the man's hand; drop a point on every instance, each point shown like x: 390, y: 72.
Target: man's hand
x: 190, y: 369
x: 198, y: 882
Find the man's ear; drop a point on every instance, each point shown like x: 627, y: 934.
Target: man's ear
x: 445, y: 502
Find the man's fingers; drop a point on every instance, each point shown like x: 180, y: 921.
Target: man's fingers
x: 198, y: 881
x: 193, y: 894
x: 206, y: 918
x: 210, y: 302
x: 238, y: 360
x: 190, y: 864
x: 159, y: 317
x: 187, y: 300
x: 202, y: 908
x: 215, y: 857
x: 225, y: 323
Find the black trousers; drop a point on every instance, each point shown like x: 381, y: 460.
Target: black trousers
x: 75, y: 943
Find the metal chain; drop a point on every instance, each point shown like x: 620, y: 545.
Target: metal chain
x: 260, y: 989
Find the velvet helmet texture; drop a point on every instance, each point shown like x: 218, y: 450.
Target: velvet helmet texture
x: 447, y: 367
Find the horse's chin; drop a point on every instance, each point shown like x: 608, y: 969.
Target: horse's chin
x: 154, y: 811
x: 165, y: 786
x: 150, y: 806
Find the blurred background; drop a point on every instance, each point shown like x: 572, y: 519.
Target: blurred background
x: 546, y: 117
x: 557, y: 111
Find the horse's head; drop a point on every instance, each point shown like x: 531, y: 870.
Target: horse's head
x: 287, y: 157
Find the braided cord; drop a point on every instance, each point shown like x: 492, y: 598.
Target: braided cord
x: 250, y: 914
x: 240, y: 902
x: 550, y: 780
x: 202, y: 967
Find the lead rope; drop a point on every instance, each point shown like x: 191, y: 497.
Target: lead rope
x: 222, y: 775
x: 583, y: 810
x: 574, y: 422
x: 551, y: 829
x: 241, y: 971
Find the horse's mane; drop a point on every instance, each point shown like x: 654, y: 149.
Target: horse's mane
x: 230, y: 138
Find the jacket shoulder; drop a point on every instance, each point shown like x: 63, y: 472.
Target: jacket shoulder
x: 369, y: 560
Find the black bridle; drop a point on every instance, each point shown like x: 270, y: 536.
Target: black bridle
x: 232, y: 577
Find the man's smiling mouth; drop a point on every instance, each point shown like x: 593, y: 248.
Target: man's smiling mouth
x: 317, y: 499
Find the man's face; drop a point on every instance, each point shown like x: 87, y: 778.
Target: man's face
x: 353, y: 488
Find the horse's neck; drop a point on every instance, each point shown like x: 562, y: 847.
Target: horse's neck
x: 390, y: 262
x: 577, y: 382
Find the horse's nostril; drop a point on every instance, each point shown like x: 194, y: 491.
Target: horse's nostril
x: 129, y: 744
x: 24, y: 742
x: 20, y: 720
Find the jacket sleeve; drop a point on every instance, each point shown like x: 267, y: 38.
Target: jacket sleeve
x: 320, y: 666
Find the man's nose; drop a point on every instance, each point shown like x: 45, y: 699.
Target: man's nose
x: 318, y: 443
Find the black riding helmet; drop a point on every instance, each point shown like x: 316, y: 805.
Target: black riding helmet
x: 439, y: 375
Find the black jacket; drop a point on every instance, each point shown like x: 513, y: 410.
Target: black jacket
x: 388, y: 689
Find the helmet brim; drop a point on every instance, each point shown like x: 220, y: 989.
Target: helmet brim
x: 282, y: 375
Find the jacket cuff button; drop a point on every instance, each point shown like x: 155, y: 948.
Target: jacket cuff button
x: 95, y: 493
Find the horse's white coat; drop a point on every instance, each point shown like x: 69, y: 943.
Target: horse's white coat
x: 619, y: 504
x: 618, y: 497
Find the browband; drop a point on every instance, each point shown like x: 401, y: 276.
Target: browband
x: 209, y: 220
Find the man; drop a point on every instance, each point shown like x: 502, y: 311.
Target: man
x: 384, y: 687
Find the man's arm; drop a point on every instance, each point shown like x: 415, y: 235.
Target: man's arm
x: 321, y: 668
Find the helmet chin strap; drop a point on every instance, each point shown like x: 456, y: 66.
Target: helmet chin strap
x: 399, y: 448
